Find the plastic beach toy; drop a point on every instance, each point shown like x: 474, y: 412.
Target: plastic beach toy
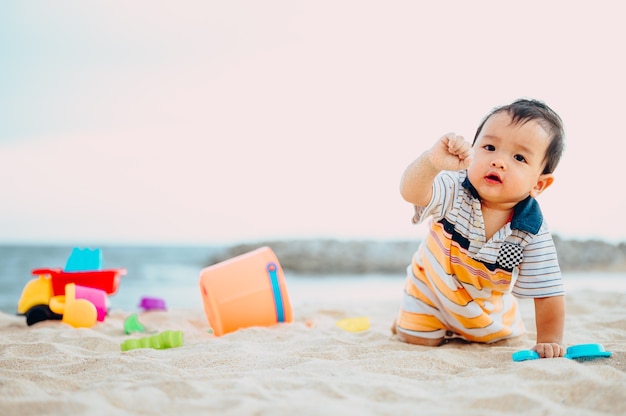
x: 587, y: 352
x: 83, y: 259
x: 245, y: 291
x: 73, y: 291
x: 152, y: 304
x: 132, y: 324
x: 80, y: 313
x: 36, y: 292
x: 81, y: 306
x: 83, y: 267
x: 44, y: 297
x: 107, y: 280
x: 524, y: 355
x: 575, y: 352
x: 35, y: 299
x: 166, y: 339
x: 354, y: 324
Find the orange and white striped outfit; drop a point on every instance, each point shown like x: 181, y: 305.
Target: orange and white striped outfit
x: 461, y: 285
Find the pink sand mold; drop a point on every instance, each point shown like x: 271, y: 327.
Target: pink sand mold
x: 96, y: 296
x: 80, y: 306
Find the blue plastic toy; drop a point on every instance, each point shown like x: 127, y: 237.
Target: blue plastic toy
x: 580, y: 352
x: 524, y: 355
x: 587, y: 352
x: 84, y: 259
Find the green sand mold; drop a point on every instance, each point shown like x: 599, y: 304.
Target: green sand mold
x: 166, y: 339
x: 132, y: 324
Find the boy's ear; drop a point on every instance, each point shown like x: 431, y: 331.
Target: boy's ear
x: 543, y: 183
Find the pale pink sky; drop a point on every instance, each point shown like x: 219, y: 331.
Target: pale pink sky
x: 195, y: 122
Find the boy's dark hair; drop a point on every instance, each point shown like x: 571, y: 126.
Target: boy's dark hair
x: 523, y: 111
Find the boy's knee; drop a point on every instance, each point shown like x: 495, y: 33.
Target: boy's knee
x: 411, y: 339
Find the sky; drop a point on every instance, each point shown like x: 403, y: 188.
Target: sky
x: 194, y: 122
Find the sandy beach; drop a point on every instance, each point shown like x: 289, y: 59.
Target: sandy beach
x: 308, y: 367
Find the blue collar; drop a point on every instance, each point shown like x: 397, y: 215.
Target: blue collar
x: 526, y: 214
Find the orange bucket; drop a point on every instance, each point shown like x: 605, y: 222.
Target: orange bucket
x: 244, y: 291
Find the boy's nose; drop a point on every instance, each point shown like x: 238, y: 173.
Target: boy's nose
x: 497, y: 164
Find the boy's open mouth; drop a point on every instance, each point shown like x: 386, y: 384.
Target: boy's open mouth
x: 492, y: 177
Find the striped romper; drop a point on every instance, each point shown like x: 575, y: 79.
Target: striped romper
x: 460, y: 285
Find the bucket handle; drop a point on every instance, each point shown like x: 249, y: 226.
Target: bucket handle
x: 272, y: 271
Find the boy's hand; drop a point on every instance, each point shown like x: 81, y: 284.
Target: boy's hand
x: 451, y: 152
x: 552, y: 350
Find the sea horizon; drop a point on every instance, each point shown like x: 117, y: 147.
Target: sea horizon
x: 172, y: 273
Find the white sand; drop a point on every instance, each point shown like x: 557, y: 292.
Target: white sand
x: 310, y: 367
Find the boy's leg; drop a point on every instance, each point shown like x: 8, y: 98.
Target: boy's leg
x: 412, y: 339
x: 419, y: 321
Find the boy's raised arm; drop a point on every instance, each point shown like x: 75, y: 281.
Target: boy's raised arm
x: 450, y: 152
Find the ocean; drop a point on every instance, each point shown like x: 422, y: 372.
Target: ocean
x: 172, y: 274
x: 169, y: 273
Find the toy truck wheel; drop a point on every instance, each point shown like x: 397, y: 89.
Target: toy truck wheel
x: 40, y: 313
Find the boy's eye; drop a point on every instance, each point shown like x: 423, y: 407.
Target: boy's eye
x: 489, y: 147
x: 520, y: 158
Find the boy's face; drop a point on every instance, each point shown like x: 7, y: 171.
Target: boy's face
x: 509, y: 160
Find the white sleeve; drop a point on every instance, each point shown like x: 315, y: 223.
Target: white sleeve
x: 539, y: 272
x: 444, y: 189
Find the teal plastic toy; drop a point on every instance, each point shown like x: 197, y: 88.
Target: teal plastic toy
x: 84, y: 259
x: 587, y: 352
x: 524, y: 355
x: 580, y: 352
x: 166, y: 339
